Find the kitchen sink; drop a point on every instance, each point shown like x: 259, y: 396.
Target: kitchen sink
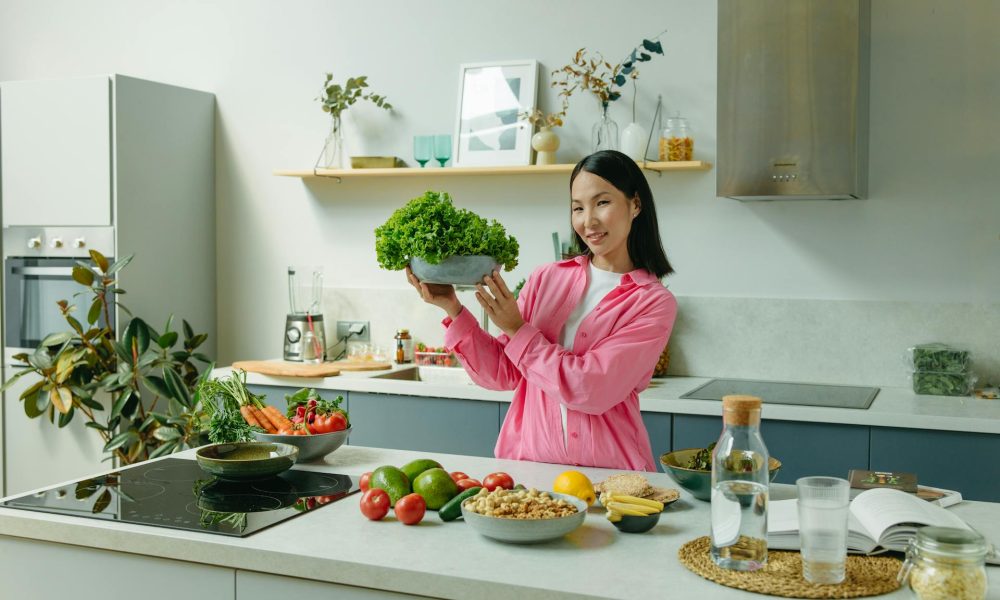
x: 434, y: 375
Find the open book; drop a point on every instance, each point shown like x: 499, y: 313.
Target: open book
x: 878, y: 520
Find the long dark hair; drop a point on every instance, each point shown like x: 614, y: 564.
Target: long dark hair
x: 644, y: 246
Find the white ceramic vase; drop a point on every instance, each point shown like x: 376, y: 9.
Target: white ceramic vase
x: 545, y: 143
x: 634, y: 138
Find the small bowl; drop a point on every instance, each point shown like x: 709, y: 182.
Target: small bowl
x: 634, y: 524
x: 699, y: 483
x: 246, y: 461
x: 528, y: 531
x: 311, y: 447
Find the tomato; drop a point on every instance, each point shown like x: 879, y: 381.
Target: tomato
x: 410, y: 509
x: 364, y: 480
x: 337, y: 421
x: 457, y: 476
x: 375, y: 504
x: 498, y: 480
x: 464, y: 484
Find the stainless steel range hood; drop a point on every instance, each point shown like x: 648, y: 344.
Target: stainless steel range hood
x: 793, y: 99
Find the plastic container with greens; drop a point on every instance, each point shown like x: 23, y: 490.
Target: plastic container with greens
x: 938, y: 358
x: 943, y: 384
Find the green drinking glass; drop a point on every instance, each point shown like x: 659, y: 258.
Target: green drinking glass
x: 423, y: 147
x: 442, y: 148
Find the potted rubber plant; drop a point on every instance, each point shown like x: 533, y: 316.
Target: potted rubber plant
x: 442, y: 243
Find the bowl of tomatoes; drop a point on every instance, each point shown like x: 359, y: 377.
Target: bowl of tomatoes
x: 315, y: 425
x: 312, y: 446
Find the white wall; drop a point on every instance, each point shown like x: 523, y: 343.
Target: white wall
x: 927, y: 234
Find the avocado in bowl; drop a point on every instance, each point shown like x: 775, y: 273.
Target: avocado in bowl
x: 699, y: 481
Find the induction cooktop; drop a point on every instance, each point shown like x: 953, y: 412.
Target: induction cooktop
x: 176, y: 493
x: 783, y: 392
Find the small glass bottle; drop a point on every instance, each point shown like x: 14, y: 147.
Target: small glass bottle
x: 677, y: 140
x: 404, y: 346
x: 946, y: 563
x: 740, y: 488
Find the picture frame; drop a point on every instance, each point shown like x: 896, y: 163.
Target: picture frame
x: 490, y: 97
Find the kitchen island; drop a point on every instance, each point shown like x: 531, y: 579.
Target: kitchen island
x: 334, y: 551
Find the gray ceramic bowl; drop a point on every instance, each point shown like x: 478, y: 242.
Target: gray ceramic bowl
x: 246, y: 460
x: 458, y: 270
x: 311, y: 447
x: 528, y: 531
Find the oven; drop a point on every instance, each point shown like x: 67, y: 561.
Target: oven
x: 38, y: 273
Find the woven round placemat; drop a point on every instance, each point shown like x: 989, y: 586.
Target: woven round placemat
x: 866, y: 575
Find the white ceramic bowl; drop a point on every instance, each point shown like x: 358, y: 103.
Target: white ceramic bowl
x: 528, y: 531
x: 311, y: 447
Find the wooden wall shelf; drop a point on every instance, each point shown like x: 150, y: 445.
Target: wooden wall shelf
x: 339, y: 174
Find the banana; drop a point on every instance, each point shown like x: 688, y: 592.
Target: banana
x: 640, y: 501
x: 635, y: 510
x: 613, y: 516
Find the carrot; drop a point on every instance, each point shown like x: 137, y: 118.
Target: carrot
x: 248, y: 416
x: 277, y: 418
x: 263, y: 419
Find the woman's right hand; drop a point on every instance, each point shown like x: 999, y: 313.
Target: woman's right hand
x: 438, y: 294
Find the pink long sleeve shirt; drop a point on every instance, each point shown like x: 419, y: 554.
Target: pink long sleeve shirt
x: 616, y: 347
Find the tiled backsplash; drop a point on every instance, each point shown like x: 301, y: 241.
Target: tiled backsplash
x: 824, y: 341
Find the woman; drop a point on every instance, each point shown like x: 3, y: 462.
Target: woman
x: 581, y: 341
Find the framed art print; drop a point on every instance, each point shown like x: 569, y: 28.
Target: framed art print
x: 490, y: 96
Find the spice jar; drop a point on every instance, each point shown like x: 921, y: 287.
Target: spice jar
x: 946, y: 563
x: 677, y: 140
x: 404, y: 346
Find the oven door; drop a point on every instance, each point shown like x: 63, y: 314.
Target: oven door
x: 32, y: 288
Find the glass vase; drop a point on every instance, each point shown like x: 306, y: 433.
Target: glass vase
x: 333, y: 151
x: 604, y: 135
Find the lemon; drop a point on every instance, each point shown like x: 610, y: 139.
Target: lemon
x: 575, y: 483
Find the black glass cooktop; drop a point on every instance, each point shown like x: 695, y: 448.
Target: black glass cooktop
x: 176, y: 493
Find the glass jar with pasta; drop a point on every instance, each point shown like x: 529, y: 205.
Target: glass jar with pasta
x: 677, y: 140
x: 946, y: 563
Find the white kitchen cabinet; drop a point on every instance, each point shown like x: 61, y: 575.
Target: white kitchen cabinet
x: 38, y: 454
x: 55, y: 152
x: 262, y: 586
x: 46, y: 571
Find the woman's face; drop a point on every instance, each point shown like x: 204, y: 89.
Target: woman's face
x: 602, y: 216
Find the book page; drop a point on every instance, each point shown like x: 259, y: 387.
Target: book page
x: 880, y: 509
x: 783, y: 528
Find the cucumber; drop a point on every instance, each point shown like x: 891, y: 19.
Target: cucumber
x: 453, y: 509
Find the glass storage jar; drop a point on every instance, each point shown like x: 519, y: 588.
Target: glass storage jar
x: 946, y: 563
x: 677, y: 140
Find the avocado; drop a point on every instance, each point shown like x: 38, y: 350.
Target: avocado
x: 436, y: 487
x: 392, y: 480
x: 416, y: 467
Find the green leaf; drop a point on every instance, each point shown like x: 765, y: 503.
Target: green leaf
x: 157, y: 385
x: 123, y: 351
x: 165, y: 434
x: 96, y: 425
x: 56, y: 339
x: 178, y: 389
x: 120, y: 264
x: 188, y: 331
x: 19, y: 374
x: 620, y: 80
x: 61, y: 398
x: 101, y: 261
x: 32, y: 408
x: 652, y: 46
x: 142, y: 334
x: 83, y: 276
x: 40, y: 359
x: 164, y: 449
x: 103, y: 500
x: 128, y: 410
x: 64, y: 419
x: 203, y: 358
x: 95, y: 311
x: 86, y: 488
x: 119, y: 440
x: 167, y: 340
x: 91, y: 403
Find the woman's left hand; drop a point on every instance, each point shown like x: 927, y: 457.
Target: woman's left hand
x: 499, y: 302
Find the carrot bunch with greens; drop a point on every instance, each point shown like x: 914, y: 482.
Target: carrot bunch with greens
x: 235, y: 412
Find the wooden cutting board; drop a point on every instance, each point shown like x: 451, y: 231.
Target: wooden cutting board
x: 284, y: 368
x: 359, y: 365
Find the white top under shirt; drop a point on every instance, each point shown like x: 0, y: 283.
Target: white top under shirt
x: 599, y: 284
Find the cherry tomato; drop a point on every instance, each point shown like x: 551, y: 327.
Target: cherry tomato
x: 457, y: 476
x: 375, y: 504
x: 321, y: 424
x: 498, y: 480
x: 464, y: 484
x: 337, y: 421
x: 364, y: 480
x: 410, y: 509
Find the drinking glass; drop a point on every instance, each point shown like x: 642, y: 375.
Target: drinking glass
x: 823, y: 507
x: 422, y: 148
x: 442, y: 148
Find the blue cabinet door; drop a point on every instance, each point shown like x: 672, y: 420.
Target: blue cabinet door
x: 424, y: 424
x: 954, y: 460
x: 658, y: 427
x: 803, y: 448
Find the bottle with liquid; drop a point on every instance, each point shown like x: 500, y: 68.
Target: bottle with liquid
x: 740, y: 488
x: 404, y: 346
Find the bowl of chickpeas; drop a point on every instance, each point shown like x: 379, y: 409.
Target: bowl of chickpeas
x: 526, y: 516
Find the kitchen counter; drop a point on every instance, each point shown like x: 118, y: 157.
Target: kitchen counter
x: 892, y: 407
x: 336, y: 544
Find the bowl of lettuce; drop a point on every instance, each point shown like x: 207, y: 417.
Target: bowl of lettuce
x: 442, y: 243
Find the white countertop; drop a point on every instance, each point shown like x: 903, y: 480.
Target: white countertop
x: 892, y: 407
x: 337, y: 544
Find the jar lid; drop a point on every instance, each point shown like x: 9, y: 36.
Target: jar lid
x: 952, y: 541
